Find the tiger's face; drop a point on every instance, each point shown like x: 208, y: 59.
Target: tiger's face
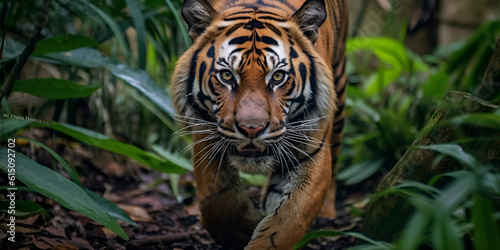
x: 254, y: 84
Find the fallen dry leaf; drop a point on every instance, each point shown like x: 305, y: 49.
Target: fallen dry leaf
x: 108, y: 233
x: 136, y: 213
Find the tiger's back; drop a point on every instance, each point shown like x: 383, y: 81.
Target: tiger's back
x: 262, y: 90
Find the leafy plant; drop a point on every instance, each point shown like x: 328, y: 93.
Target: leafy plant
x: 90, y: 65
x: 393, y: 92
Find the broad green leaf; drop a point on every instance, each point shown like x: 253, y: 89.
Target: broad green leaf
x: 359, y: 172
x: 455, y: 151
x: 63, y: 42
x: 72, y: 173
x: 487, y: 120
x: 457, y: 192
x: 486, y: 231
x: 22, y: 207
x: 142, y: 81
x: 83, y: 57
x: 414, y: 233
x: 113, y: 210
x: 9, y: 124
x: 50, y: 88
x: 386, y: 49
x: 444, y: 232
x: 175, y: 159
x: 410, y: 189
x: 57, y: 187
x: 319, y: 234
x: 136, y: 78
x: 102, y: 141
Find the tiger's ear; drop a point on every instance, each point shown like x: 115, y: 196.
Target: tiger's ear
x: 198, y: 14
x: 310, y: 17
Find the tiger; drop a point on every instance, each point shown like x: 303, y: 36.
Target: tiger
x: 262, y: 90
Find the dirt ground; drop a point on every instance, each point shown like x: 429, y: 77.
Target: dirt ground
x: 163, y: 222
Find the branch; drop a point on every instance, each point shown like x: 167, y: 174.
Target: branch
x: 23, y: 58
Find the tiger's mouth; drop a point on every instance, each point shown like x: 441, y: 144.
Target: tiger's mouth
x: 251, y: 151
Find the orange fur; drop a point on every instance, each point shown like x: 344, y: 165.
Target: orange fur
x: 262, y: 89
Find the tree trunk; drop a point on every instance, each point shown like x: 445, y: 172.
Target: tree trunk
x: 387, y: 216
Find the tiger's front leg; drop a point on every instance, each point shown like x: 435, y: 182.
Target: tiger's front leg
x: 292, y: 202
x: 226, y: 211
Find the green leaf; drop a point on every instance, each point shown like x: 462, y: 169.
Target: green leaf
x: 22, y: 207
x: 408, y: 188
x: 487, y: 120
x: 319, y: 234
x: 142, y: 81
x: 113, y: 210
x: 57, y: 187
x: 457, y: 192
x: 72, y: 174
x: 114, y: 28
x: 136, y: 78
x: 175, y: 159
x: 486, y: 231
x: 11, y: 51
x: 436, y: 86
x: 254, y: 179
x: 415, y: 231
x: 381, y: 80
x: 83, y: 57
x: 359, y: 172
x: 9, y: 125
x: 445, y: 233
x: 180, y: 22
x: 50, y: 88
x: 387, y: 50
x: 102, y: 141
x: 140, y: 28
x: 455, y: 151
x: 63, y: 42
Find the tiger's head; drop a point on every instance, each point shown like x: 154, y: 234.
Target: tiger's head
x: 253, y: 82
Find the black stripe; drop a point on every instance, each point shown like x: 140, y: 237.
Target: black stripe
x: 339, y: 129
x: 273, y: 29
x: 272, y: 18
x: 339, y: 110
x: 341, y: 91
x: 234, y: 28
x: 337, y: 123
x: 269, y: 40
x: 239, y: 40
x: 237, y: 18
x: 311, y: 155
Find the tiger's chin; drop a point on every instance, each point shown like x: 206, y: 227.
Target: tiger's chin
x: 252, y: 164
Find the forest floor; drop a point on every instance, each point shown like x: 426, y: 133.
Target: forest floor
x: 162, y: 221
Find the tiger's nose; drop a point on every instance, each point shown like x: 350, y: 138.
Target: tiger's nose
x: 251, y: 131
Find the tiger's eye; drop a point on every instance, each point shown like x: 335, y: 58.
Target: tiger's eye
x: 227, y: 75
x: 278, y: 76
